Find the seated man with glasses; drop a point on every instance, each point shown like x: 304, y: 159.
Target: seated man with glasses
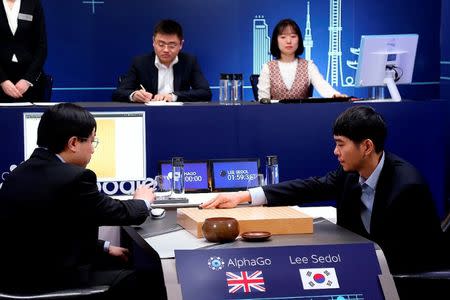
x: 51, y: 210
x: 94, y: 141
x: 165, y: 74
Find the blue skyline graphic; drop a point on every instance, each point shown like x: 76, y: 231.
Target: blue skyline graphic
x: 308, y: 42
x: 261, y: 43
x: 93, y: 3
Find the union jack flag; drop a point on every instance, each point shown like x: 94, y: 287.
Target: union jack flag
x: 245, y: 282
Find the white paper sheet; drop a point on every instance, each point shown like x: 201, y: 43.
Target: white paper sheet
x: 165, y: 244
x: 163, y: 103
x: 46, y: 103
x: 16, y: 104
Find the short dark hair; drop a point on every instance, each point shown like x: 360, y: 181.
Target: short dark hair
x: 282, y: 25
x: 362, y: 122
x: 61, y: 122
x: 169, y: 27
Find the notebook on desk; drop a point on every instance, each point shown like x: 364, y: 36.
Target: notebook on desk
x: 316, y: 100
x: 169, y: 200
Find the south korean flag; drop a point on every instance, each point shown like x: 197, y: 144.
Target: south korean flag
x: 319, y: 278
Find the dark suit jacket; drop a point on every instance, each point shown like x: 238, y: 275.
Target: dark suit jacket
x: 404, y: 222
x: 189, y: 83
x: 29, y: 44
x: 50, y: 212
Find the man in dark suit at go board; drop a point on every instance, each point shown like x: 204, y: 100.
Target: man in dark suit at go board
x: 378, y: 195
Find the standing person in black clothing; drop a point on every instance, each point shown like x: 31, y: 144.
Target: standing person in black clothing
x: 23, y: 50
x: 50, y: 211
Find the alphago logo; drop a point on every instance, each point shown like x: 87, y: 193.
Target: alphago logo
x: 215, y: 263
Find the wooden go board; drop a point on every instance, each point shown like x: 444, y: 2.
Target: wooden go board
x: 277, y: 220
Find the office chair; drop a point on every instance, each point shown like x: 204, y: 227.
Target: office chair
x: 311, y: 91
x: 119, y: 79
x: 445, y: 225
x: 89, y: 293
x: 44, y: 88
x: 48, y: 87
x: 254, y: 79
x: 419, y: 285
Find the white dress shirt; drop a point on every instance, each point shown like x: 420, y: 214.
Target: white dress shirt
x: 369, y: 187
x: 12, y: 15
x: 288, y: 71
x: 165, y: 77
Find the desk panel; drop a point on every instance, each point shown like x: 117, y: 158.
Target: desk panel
x: 325, y: 233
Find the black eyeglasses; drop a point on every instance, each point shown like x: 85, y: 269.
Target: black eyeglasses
x: 94, y: 142
x: 170, y: 45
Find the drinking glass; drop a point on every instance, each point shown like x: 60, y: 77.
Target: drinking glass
x: 256, y: 180
x: 163, y: 187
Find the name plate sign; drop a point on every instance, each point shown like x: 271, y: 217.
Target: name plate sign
x: 338, y: 272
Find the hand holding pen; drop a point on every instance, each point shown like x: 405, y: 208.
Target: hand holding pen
x: 141, y: 95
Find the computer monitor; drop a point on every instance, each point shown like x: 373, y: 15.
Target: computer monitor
x: 386, y: 60
x: 233, y: 174
x: 121, y: 152
x: 195, y: 174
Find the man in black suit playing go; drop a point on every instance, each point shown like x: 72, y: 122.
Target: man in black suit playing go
x: 165, y: 74
x: 378, y: 195
x: 50, y: 211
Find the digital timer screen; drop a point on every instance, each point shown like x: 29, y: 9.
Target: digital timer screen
x: 195, y: 175
x: 233, y: 174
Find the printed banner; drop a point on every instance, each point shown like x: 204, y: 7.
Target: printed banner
x: 290, y: 272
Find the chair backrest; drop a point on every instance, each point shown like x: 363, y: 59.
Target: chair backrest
x: 445, y: 225
x: 311, y: 91
x: 254, y: 79
x: 48, y: 87
x: 418, y: 285
x: 44, y: 88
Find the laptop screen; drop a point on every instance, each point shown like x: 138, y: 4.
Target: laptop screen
x: 232, y: 174
x: 195, y: 174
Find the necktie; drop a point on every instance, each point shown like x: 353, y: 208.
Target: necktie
x: 366, y: 199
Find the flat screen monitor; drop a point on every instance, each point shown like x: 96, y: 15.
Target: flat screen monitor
x: 232, y: 174
x: 121, y: 152
x: 386, y: 60
x: 195, y: 174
